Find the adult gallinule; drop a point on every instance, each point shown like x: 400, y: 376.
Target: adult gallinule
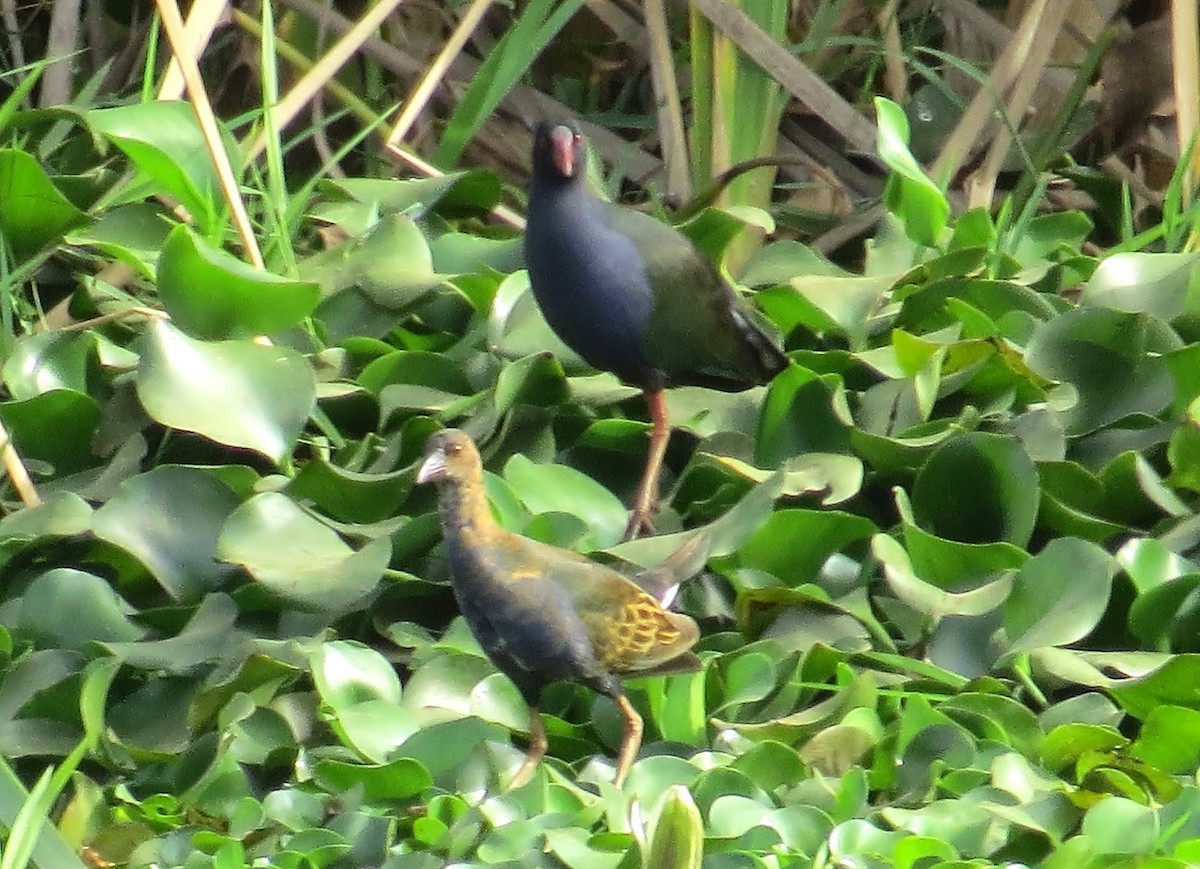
x: 545, y: 614
x: 634, y: 296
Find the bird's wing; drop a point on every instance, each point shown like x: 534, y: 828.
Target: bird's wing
x: 700, y: 331
x: 629, y: 630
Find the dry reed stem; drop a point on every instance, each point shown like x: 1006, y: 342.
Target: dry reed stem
x: 198, y: 98
x: 666, y: 102
x: 1046, y: 24
x: 315, y: 79
x: 423, y: 92
x: 202, y: 21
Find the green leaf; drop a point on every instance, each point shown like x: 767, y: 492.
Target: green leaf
x: 35, y: 213
x: 177, y: 540
x: 978, y: 488
x: 453, y: 193
x: 1059, y: 595
x: 677, y: 832
x: 233, y: 392
x: 1173, y: 683
x: 133, y: 234
x: 45, y: 361
x: 164, y: 141
x: 793, y: 544
x: 928, y: 599
x: 211, y: 294
x: 390, y: 265
x: 1162, y: 284
x: 1112, y: 359
x: 797, y: 418
x: 1120, y: 826
x: 911, y: 195
x: 561, y: 489
x: 69, y: 608
x: 55, y: 427
x: 297, y: 557
x: 843, y: 305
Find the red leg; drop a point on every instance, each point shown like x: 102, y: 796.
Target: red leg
x: 646, y: 505
x: 537, y: 750
x: 632, y: 741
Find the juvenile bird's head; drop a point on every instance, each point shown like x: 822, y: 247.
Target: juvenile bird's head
x: 558, y: 150
x: 450, y: 455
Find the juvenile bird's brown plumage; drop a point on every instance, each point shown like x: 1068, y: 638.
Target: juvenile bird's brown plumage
x: 634, y: 296
x: 545, y: 614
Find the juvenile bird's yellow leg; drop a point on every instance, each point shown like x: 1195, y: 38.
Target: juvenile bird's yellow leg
x: 646, y: 505
x: 632, y: 741
x: 537, y: 750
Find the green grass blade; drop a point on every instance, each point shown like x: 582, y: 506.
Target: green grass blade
x: 502, y: 69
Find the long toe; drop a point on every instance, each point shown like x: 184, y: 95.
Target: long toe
x: 535, y: 753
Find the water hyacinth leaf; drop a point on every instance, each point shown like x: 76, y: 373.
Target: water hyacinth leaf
x: 443, y: 747
x: 1121, y: 826
x: 452, y: 193
x: 1153, y: 283
x: 537, y: 380
x: 351, y: 496
x: 35, y: 213
x: 949, y: 564
x: 415, y: 367
x: 61, y: 514
x: 211, y: 294
x: 132, y: 234
x: 55, y: 427
x: 69, y: 608
x: 677, y: 831
x: 1170, y: 739
x: 46, y: 361
x: 733, y: 815
x: 978, y: 488
x: 465, y: 255
x: 778, y: 262
x: 177, y: 540
x: 299, y: 558
x: 347, y: 673
x: 792, y: 545
x: 911, y: 195
x: 517, y: 329
x: 1112, y: 359
x: 748, y: 677
x: 835, y: 750
x: 927, y: 599
x: 209, y: 635
x: 558, y: 488
x: 798, y: 417
x: 1165, y: 616
x: 843, y: 305
x: 390, y: 265
x: 1059, y: 595
x: 164, y: 141
x: 397, y: 780
x: 1047, y: 235
x: 234, y: 392
x: 362, y: 692
x: 1173, y: 683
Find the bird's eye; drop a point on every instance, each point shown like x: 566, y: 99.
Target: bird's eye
x: 577, y: 139
x: 454, y: 449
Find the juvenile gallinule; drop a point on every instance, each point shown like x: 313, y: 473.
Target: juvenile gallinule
x: 544, y: 614
x: 634, y: 296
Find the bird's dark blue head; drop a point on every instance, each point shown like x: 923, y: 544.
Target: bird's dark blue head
x: 558, y: 150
